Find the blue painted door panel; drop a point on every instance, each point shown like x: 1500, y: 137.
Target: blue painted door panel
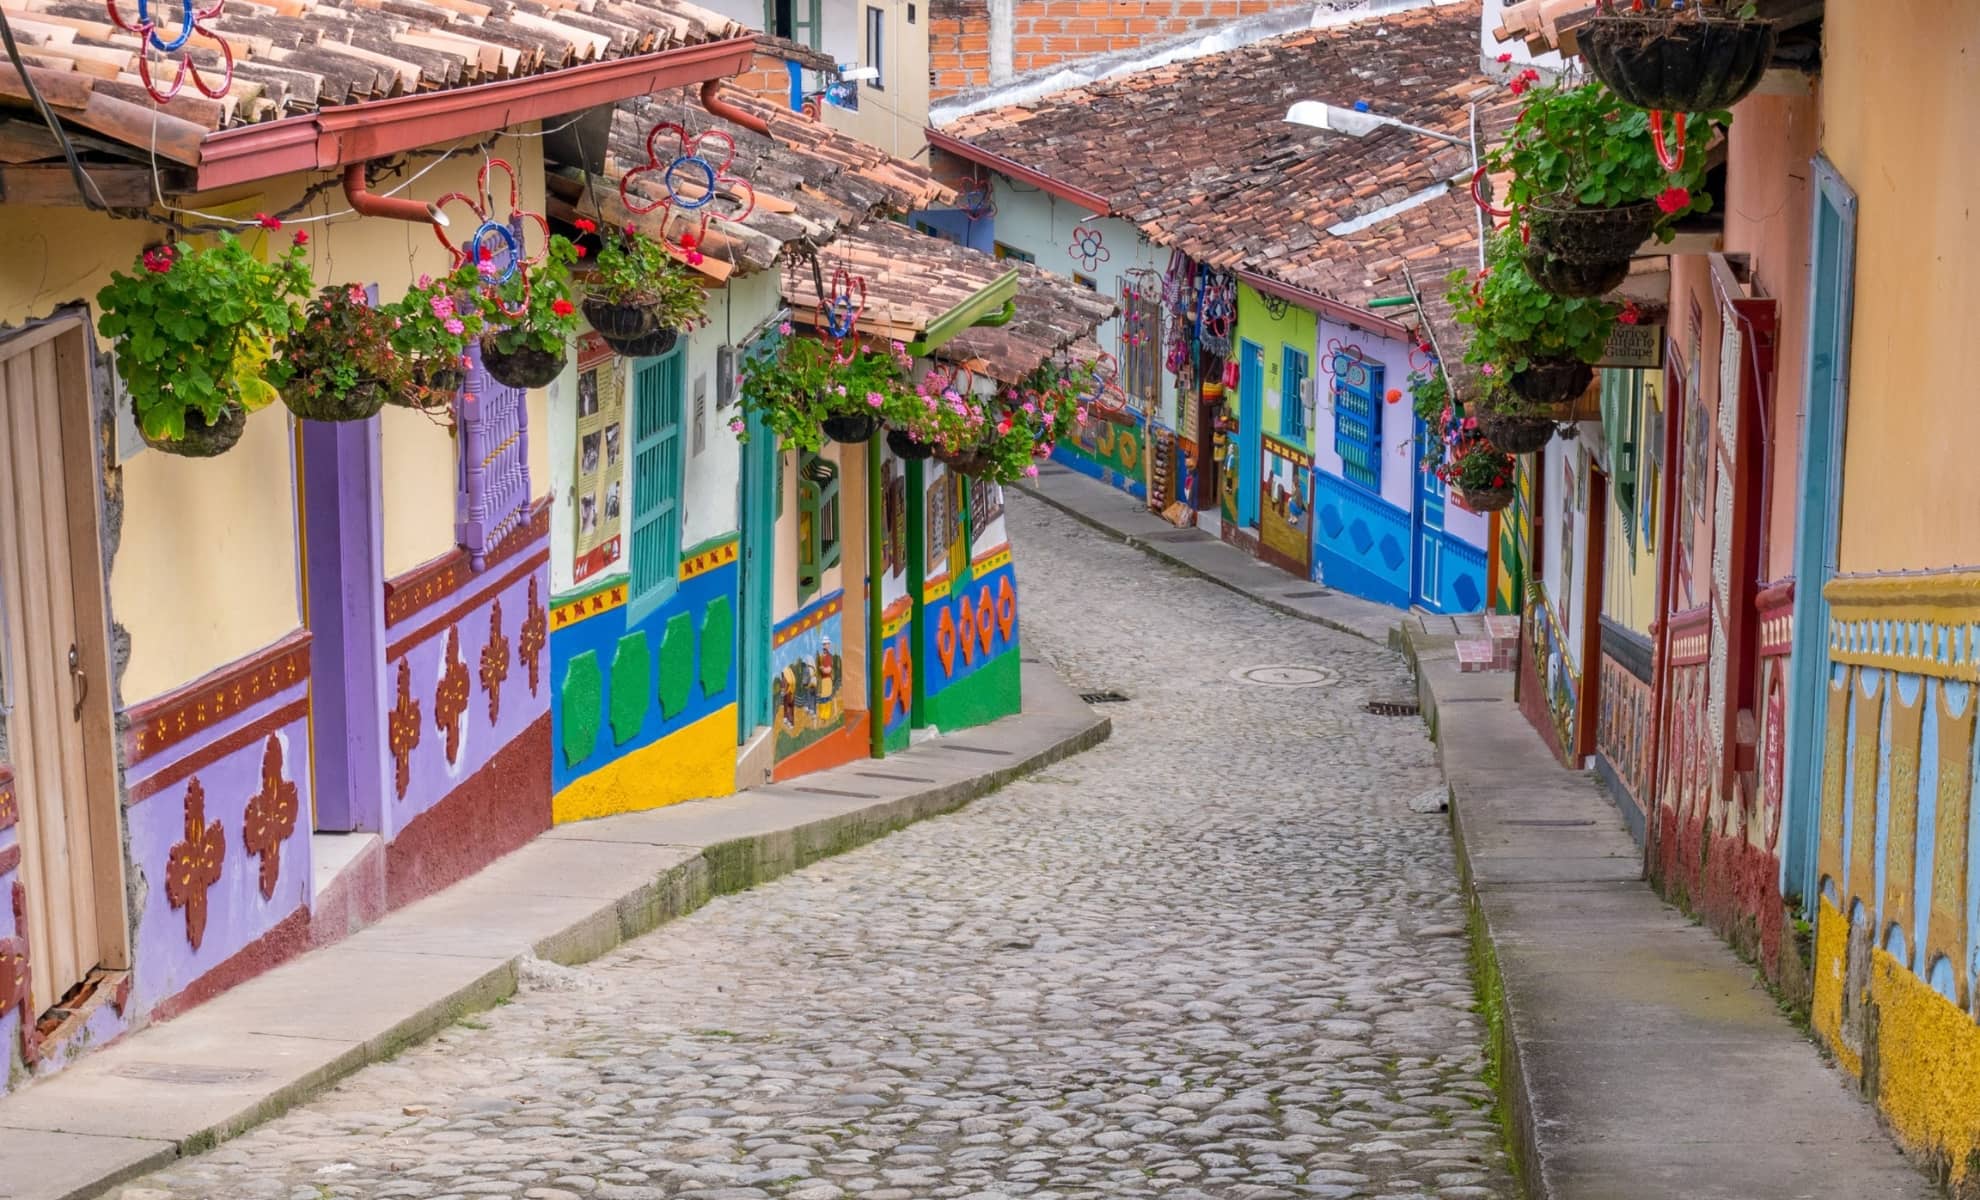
x: 1361, y: 541
x: 1251, y: 416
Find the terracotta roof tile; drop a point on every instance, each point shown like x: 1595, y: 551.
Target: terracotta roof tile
x: 1199, y: 155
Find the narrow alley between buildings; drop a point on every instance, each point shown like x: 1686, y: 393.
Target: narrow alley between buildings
x: 1218, y: 956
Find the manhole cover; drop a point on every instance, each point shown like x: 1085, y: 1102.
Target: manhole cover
x: 1287, y: 676
x: 1103, y: 697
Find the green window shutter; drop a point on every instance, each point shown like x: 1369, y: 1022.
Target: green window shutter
x: 819, y: 545
x: 657, y: 465
x: 1292, y: 378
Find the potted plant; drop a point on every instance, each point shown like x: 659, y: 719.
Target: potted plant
x: 808, y: 389
x: 193, y: 331
x: 639, y: 297
x: 342, y: 358
x: 436, y: 321
x: 1479, y: 474
x: 529, y: 333
x: 1545, y: 342
x: 1705, y: 55
x: 1429, y: 394
x: 1516, y: 425
x: 1589, y: 186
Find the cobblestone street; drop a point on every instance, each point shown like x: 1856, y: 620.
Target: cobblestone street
x: 1218, y: 956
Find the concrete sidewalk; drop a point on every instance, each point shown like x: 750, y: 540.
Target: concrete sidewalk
x: 1120, y: 516
x: 579, y: 890
x: 1639, y: 1058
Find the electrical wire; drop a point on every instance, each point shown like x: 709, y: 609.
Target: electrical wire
x: 92, y: 196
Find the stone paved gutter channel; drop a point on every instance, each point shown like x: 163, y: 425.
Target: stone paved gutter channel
x: 184, y: 1085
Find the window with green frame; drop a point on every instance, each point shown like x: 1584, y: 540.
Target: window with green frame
x: 798, y: 20
x: 658, y: 469
x: 819, y: 543
x: 1622, y: 422
x: 1292, y: 383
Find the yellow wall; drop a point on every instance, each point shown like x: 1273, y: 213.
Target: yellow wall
x: 1901, y: 80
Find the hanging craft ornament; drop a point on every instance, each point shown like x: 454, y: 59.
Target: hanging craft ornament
x: 1346, y: 363
x: 690, y: 179
x: 1088, y: 247
x: 1422, y: 356
x: 500, y: 246
x: 977, y: 201
x: 840, y: 310
x: 1275, y: 306
x: 1108, y: 397
x: 1219, y: 310
x: 192, y: 23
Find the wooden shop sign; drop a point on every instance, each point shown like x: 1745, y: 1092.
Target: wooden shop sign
x: 1637, y: 346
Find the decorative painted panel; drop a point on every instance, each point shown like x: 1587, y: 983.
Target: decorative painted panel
x: 493, y: 432
x: 1108, y: 452
x: 1361, y: 541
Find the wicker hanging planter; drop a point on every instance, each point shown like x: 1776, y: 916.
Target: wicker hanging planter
x: 1579, y: 280
x: 1582, y: 234
x: 631, y: 329
x: 1516, y: 434
x: 202, y: 440
x: 965, y: 462
x: 431, y: 389
x: 1553, y: 380
x: 851, y: 429
x: 903, y: 444
x: 1483, y: 500
x: 527, y: 367
x: 1686, y: 62
x: 361, y: 401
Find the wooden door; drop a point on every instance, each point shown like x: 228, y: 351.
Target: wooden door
x: 54, y: 689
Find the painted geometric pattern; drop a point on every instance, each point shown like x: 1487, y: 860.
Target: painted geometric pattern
x: 1362, y: 541
x: 966, y: 631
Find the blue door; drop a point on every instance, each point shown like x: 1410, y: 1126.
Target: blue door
x: 1251, y: 416
x: 1831, y: 274
x: 759, y: 487
x: 1428, y: 525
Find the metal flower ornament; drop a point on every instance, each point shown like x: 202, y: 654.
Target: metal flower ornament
x: 840, y: 309
x: 692, y: 172
x: 175, y: 45
x: 977, y: 201
x: 1089, y: 247
x: 499, y: 241
x: 1109, y: 400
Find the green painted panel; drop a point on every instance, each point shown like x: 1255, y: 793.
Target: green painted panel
x: 718, y: 645
x: 632, y: 666
x: 581, y: 703
x: 980, y: 697
x: 676, y: 664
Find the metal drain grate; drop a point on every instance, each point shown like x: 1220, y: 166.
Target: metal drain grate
x: 976, y: 750
x: 819, y: 791
x: 894, y: 778
x: 1315, y: 594
x: 1393, y: 706
x: 1103, y: 697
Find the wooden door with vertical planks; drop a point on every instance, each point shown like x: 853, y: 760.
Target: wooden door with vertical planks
x: 53, y: 690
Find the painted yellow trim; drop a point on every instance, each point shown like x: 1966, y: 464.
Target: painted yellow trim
x: 991, y: 561
x: 692, y: 763
x: 811, y: 620
x: 895, y: 617
x: 569, y: 613
x: 934, y: 589
x: 710, y: 559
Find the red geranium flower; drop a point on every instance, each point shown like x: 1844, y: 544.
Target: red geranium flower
x: 1674, y: 200
x: 1505, y: 58
x: 267, y: 222
x: 585, y: 226
x: 562, y: 308
x: 1629, y: 315
x: 580, y: 251
x: 159, y: 259
x: 301, y: 238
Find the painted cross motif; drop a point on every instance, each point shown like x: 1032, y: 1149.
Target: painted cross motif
x: 498, y: 242
x: 535, y: 631
x: 192, y: 23
x: 450, y: 699
x: 690, y: 179
x: 193, y: 866
x: 271, y: 817
x: 1089, y: 247
x: 495, y: 662
x: 402, y: 734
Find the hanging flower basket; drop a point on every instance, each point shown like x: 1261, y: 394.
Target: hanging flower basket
x: 1516, y: 434
x: 1575, y: 280
x: 343, y: 358
x: 1584, y: 233
x: 1483, y: 500
x: 431, y: 388
x: 634, y: 330
x: 964, y: 462
x: 527, y: 366
x: 903, y: 444
x: 358, y: 402
x: 1687, y: 62
x: 1553, y: 380
x: 851, y: 429
x: 203, y: 440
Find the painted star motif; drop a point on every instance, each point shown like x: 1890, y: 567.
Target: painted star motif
x: 271, y: 817
x: 495, y: 662
x: 193, y: 866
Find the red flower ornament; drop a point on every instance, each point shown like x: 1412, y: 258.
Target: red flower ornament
x: 1674, y: 200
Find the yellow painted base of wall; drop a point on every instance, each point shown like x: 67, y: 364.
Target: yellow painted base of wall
x: 1926, y: 1056
x: 689, y: 764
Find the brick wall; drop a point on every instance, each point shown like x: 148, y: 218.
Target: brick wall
x: 1046, y: 33
x: 768, y: 78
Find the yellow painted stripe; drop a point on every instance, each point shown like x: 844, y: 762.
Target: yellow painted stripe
x: 565, y: 615
x: 692, y: 763
x: 708, y: 560
x: 991, y: 561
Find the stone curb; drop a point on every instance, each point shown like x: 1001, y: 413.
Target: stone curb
x: 701, y: 873
x: 1150, y: 548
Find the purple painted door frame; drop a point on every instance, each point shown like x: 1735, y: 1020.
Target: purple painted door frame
x: 344, y: 582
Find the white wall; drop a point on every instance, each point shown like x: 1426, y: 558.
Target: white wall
x: 1031, y: 220
x: 1489, y: 47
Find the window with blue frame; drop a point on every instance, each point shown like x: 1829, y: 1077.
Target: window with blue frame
x: 1358, y: 419
x: 658, y: 468
x: 1292, y: 385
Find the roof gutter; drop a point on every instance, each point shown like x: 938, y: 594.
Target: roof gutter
x: 1322, y: 304
x: 1089, y: 201
x: 994, y: 305
x: 353, y: 133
